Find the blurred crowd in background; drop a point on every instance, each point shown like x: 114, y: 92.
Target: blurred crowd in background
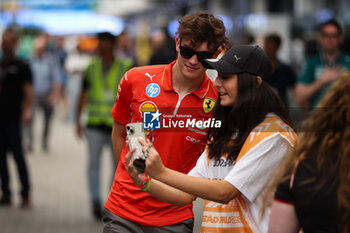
x: 145, y: 30
x: 145, y: 33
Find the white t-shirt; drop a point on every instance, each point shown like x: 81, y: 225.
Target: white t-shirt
x: 263, y: 150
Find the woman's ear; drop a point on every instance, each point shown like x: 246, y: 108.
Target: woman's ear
x: 259, y: 81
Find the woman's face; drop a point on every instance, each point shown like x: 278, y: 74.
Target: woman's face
x: 227, y: 85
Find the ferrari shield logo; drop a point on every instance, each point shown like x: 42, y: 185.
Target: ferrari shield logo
x: 208, y: 104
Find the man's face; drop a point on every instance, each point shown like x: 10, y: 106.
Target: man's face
x: 191, y: 66
x: 105, y: 46
x: 330, y: 38
x: 8, y: 43
x: 271, y: 48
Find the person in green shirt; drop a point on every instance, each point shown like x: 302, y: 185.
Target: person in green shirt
x: 321, y: 70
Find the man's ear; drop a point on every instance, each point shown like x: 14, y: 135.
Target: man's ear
x: 259, y: 81
x: 177, y: 43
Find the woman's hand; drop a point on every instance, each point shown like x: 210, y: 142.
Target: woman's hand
x: 137, y: 178
x: 154, y: 165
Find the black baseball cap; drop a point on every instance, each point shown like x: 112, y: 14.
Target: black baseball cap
x: 243, y: 58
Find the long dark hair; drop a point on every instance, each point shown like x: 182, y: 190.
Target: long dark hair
x: 252, y: 104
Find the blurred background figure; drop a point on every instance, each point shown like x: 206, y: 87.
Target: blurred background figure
x: 283, y: 76
x: 314, y: 180
x: 248, y: 39
x: 75, y: 65
x: 99, y: 90
x: 61, y: 54
x: 15, y: 101
x: 324, y: 68
x: 125, y: 47
x: 47, y: 87
x: 163, y: 48
x: 311, y: 48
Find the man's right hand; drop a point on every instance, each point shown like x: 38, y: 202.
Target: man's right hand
x: 137, y: 177
x: 27, y: 116
x: 79, y: 130
x: 331, y: 74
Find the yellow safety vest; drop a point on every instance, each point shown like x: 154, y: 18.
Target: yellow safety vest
x: 102, y: 90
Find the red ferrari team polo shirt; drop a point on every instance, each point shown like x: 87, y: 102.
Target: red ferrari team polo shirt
x: 179, y: 140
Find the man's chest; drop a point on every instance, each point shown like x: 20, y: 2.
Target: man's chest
x: 151, y: 97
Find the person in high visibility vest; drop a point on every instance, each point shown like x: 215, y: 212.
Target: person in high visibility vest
x: 98, y: 93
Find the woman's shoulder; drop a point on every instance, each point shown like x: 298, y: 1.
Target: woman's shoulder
x: 271, y: 129
x: 273, y: 125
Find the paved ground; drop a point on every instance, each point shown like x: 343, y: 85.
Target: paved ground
x: 59, y: 188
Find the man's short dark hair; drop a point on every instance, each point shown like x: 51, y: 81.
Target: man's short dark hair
x: 333, y: 22
x: 106, y: 36
x: 13, y: 32
x: 275, y: 38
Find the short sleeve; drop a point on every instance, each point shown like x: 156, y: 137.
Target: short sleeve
x: 307, y: 73
x: 252, y: 171
x: 121, y: 110
x: 201, y: 168
x: 85, y: 83
x: 283, y: 192
x: 27, y: 74
x: 56, y: 71
x: 291, y: 77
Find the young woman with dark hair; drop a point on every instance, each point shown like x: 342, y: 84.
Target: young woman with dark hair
x: 249, y: 110
x: 254, y: 136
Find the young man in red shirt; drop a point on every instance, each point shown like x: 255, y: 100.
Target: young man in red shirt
x: 183, y: 96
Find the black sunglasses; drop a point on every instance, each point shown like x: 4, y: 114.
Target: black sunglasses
x: 187, y: 52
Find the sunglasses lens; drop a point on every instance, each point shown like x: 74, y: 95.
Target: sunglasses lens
x: 204, y: 55
x: 186, y: 52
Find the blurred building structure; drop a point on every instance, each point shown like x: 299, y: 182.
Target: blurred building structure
x: 292, y: 19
